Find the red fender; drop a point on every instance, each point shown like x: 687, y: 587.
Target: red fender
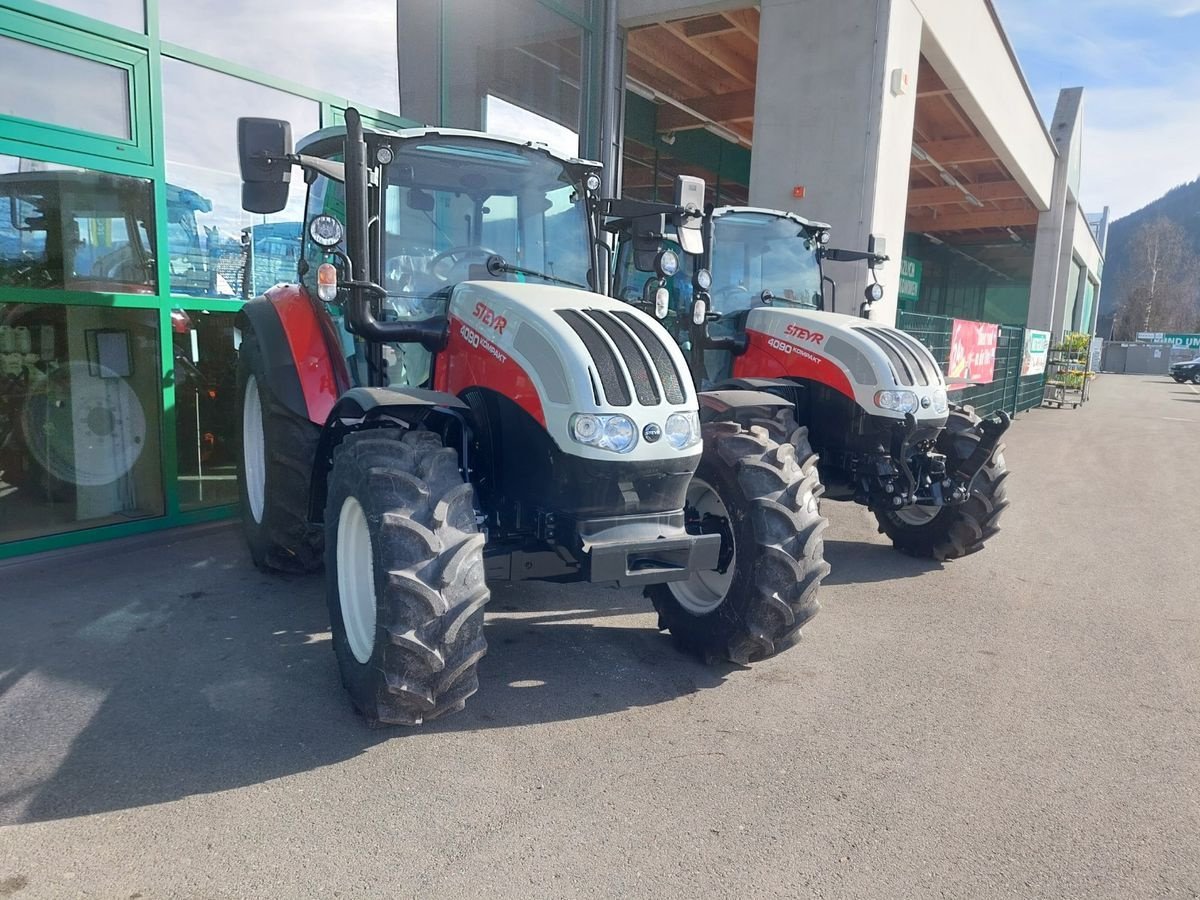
x: 772, y: 357
x: 316, y: 354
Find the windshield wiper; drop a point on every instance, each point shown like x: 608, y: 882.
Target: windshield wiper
x: 498, y: 265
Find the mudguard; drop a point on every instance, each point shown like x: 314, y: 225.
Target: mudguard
x: 720, y: 405
x: 371, y: 407
x: 302, y: 371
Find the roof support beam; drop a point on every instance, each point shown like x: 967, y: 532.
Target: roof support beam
x: 985, y: 191
x: 1003, y: 218
x: 958, y: 150
x: 723, y: 108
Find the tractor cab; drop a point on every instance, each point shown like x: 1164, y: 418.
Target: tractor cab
x: 448, y: 207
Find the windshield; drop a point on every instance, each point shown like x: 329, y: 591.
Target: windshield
x: 451, y: 204
x: 756, y: 252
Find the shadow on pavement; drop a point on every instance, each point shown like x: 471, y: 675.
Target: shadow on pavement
x: 181, y: 670
x: 855, y: 562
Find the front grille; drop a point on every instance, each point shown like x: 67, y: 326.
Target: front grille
x: 909, y: 362
x: 668, y: 374
x: 633, y: 355
x: 644, y: 354
x: 928, y: 365
x: 616, y: 391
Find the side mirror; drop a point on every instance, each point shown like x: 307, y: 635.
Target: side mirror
x: 264, y: 151
x: 647, y: 234
x: 689, y: 194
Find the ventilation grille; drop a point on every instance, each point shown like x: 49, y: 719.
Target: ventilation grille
x: 668, y: 374
x: 612, y: 380
x: 910, y: 364
x: 609, y: 335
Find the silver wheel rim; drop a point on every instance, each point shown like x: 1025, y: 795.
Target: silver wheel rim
x: 356, y: 579
x: 917, y: 515
x: 254, y: 457
x: 705, y: 591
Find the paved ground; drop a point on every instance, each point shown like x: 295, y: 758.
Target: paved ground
x: 1022, y: 723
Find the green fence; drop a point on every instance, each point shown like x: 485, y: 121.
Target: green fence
x: 1008, y: 390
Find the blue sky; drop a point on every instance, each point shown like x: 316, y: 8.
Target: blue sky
x: 1139, y: 62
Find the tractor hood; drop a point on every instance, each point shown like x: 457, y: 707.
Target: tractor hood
x: 559, y: 352
x: 881, y: 368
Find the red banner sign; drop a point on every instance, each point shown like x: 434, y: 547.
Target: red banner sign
x: 973, y: 351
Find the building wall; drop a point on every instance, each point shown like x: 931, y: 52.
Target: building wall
x: 117, y: 354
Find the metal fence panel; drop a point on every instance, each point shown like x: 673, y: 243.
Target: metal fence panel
x: 1008, y: 390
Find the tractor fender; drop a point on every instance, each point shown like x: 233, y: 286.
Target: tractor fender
x: 733, y: 403
x: 361, y: 408
x: 302, y: 372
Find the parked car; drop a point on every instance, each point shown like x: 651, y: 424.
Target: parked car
x: 1186, y: 371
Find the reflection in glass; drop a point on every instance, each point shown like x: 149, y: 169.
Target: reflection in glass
x: 507, y: 57
x: 75, y: 229
x: 205, y: 351
x: 347, y: 49
x: 79, y: 418
x: 68, y: 90
x: 211, y: 239
x: 129, y: 14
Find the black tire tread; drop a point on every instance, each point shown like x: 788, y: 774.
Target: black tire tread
x: 961, y: 530
x: 781, y: 489
x: 430, y: 575
x: 284, y: 541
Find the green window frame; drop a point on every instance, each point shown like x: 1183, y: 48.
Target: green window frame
x: 36, y: 136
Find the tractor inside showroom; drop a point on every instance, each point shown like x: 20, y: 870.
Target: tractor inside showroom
x: 444, y: 399
x: 869, y: 399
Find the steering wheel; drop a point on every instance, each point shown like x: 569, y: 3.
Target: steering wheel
x: 732, y: 297
x: 457, y: 255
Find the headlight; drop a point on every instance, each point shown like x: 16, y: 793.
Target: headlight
x: 897, y: 401
x: 940, y: 404
x: 667, y: 263
x: 616, y: 433
x: 703, y: 279
x: 592, y: 182
x: 683, y: 430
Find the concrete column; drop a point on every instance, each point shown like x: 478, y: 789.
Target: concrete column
x: 1052, y: 252
x: 825, y: 117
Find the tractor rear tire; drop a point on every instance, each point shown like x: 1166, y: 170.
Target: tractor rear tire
x: 276, y: 449
x: 955, y: 531
x: 404, y: 576
x: 763, y: 500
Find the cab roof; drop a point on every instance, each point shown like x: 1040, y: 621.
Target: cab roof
x: 780, y: 213
x: 336, y: 132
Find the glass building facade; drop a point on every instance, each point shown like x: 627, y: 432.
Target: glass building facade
x: 125, y: 253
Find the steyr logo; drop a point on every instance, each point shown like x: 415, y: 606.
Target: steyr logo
x: 485, y: 314
x: 803, y: 334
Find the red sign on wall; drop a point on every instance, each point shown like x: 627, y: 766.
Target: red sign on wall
x: 973, y: 351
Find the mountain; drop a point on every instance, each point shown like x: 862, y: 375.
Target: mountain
x: 1181, y: 204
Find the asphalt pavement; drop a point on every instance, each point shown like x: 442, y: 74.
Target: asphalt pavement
x: 1021, y: 723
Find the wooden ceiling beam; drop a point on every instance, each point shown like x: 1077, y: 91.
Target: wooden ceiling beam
x: 738, y: 105
x: 703, y: 26
x: 717, y: 52
x: 972, y: 220
x: 942, y: 196
x: 665, y: 50
x: 745, y: 21
x: 957, y: 150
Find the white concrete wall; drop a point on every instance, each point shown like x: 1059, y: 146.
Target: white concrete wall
x: 825, y: 118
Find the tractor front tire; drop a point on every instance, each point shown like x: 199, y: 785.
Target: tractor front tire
x: 404, y: 576
x: 952, y: 532
x: 763, y: 501
x: 276, y: 449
